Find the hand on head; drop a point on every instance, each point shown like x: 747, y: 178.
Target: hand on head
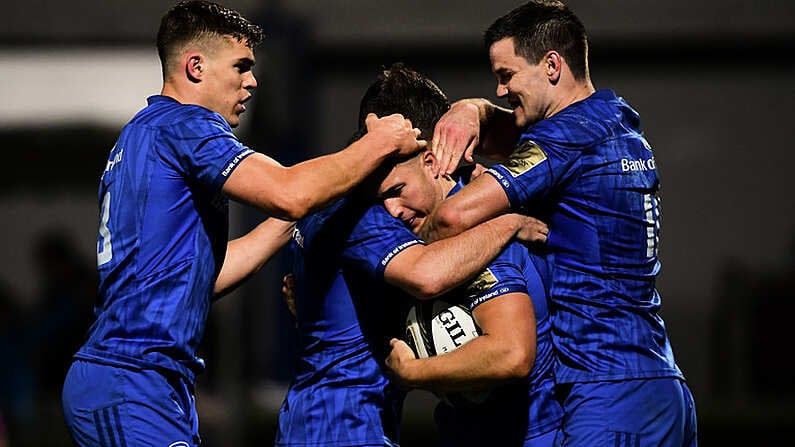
x: 397, y: 132
x: 456, y: 134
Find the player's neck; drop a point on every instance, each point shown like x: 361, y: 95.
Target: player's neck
x: 446, y: 184
x: 575, y: 91
x: 180, y: 93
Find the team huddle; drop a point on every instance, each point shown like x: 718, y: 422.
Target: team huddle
x: 529, y: 283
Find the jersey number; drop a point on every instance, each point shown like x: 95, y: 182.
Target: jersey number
x: 651, y: 205
x: 104, y: 247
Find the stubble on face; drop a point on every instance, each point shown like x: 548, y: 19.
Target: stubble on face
x: 231, y: 79
x: 520, y: 83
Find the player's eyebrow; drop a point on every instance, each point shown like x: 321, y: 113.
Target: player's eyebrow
x: 245, y: 62
x: 502, y: 71
x: 392, y: 191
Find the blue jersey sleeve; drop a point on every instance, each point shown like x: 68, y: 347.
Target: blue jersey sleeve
x: 377, y: 239
x: 503, y: 276
x: 594, y: 172
x: 162, y: 236
x: 216, y: 152
x: 544, y: 159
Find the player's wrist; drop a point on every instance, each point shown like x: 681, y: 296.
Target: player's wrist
x: 510, y: 223
x: 482, y: 108
x: 377, y: 142
x: 409, y: 373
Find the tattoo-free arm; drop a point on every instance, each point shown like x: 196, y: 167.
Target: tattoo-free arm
x: 248, y: 253
x: 473, y: 125
x: 426, y: 271
x: 506, y: 350
x: 477, y: 202
x: 293, y: 192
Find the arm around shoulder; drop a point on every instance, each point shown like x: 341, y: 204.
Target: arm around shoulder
x: 426, y: 271
x: 477, y: 202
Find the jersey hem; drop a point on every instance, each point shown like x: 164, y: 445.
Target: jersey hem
x: 123, y: 362
x: 561, y: 378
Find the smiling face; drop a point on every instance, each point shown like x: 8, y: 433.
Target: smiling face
x: 410, y: 191
x: 524, y: 85
x: 229, y: 78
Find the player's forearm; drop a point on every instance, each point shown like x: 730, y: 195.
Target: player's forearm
x: 481, y: 200
x: 318, y: 182
x: 449, y: 263
x: 445, y: 221
x: 247, y: 254
x: 498, y: 131
x: 481, y: 363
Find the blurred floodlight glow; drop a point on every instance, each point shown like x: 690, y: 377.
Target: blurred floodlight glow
x: 105, y: 87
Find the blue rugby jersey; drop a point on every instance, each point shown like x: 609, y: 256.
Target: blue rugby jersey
x: 345, y: 316
x: 162, y: 236
x: 526, y: 408
x: 592, y: 165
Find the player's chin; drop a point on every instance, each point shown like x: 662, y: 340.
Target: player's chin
x: 417, y: 224
x: 519, y: 118
x: 234, y: 120
x: 236, y: 112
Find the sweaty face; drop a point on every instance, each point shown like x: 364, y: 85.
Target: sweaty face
x: 229, y: 78
x: 524, y: 85
x: 410, y: 192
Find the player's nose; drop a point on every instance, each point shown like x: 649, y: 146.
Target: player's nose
x: 250, y: 83
x: 393, y: 208
x: 502, y: 90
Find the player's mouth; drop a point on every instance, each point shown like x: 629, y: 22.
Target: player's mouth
x: 241, y: 106
x: 416, y: 222
x: 515, y: 104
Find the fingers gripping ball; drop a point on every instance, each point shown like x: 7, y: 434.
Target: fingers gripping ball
x: 437, y: 327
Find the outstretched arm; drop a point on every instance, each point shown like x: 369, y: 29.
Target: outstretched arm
x: 248, y: 253
x: 426, y: 271
x: 471, y: 126
x: 477, y: 202
x: 505, y: 350
x: 293, y: 192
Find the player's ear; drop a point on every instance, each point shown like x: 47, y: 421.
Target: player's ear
x: 428, y: 160
x: 194, y: 66
x: 553, y: 63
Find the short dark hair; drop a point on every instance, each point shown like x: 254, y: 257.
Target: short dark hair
x: 399, y: 89
x: 539, y: 26
x: 194, y: 19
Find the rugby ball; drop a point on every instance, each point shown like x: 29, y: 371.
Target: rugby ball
x: 437, y: 327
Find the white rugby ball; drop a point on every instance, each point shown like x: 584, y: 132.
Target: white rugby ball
x: 437, y: 327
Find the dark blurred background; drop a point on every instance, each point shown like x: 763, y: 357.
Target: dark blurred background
x: 712, y: 80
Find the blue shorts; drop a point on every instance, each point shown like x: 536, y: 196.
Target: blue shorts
x: 116, y: 407
x: 633, y: 413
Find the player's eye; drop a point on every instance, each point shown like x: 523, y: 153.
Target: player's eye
x: 394, y: 191
x: 503, y: 76
x: 243, y: 67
